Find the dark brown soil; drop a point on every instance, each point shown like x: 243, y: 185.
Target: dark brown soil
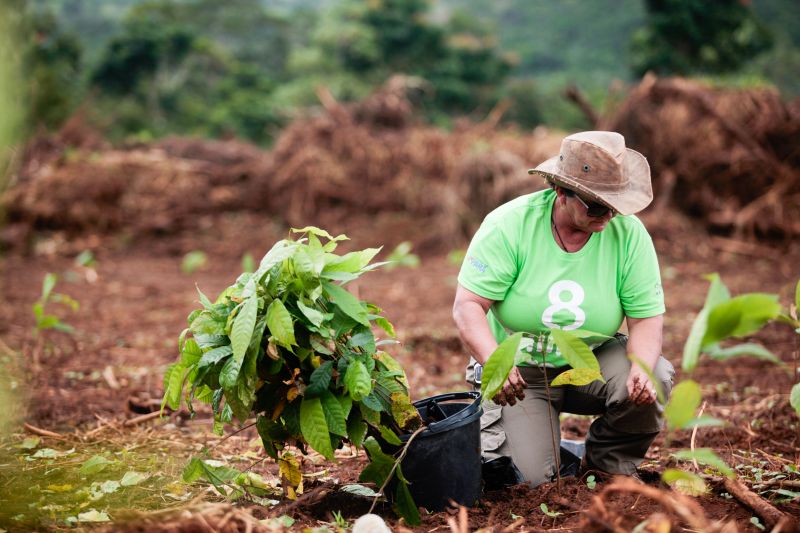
x: 131, y: 314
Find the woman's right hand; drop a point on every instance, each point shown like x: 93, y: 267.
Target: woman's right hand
x: 513, y: 389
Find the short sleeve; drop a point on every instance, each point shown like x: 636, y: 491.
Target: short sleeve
x: 641, y: 293
x: 490, y: 266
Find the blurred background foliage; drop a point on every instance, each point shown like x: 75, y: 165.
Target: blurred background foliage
x: 141, y: 69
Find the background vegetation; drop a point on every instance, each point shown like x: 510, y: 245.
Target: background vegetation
x: 139, y: 69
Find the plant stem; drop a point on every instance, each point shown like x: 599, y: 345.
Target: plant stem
x: 394, y: 467
x: 556, y: 454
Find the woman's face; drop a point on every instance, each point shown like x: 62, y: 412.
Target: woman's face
x: 576, y: 211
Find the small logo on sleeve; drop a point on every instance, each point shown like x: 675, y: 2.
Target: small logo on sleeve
x: 477, y: 264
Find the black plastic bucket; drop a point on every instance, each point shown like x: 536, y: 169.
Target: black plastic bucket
x: 443, y: 462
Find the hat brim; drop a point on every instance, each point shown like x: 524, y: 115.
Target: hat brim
x: 635, y: 196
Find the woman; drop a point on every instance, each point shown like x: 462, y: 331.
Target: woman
x: 563, y: 258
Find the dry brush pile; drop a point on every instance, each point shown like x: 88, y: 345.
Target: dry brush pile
x: 730, y: 157
x: 368, y: 157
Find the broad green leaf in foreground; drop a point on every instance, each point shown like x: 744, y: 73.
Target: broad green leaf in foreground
x: 740, y: 316
x: 314, y: 426
x: 717, y: 293
x: 683, y: 403
x: 498, y: 367
x: 748, y: 349
x: 707, y: 457
x: 574, y: 350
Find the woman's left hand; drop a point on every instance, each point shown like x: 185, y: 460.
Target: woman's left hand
x: 640, y: 390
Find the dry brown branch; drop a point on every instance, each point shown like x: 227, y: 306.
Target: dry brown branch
x: 765, y: 510
x: 42, y: 432
x: 575, y: 95
x: 683, y: 506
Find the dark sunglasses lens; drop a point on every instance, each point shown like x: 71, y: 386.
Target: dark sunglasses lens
x: 596, y: 210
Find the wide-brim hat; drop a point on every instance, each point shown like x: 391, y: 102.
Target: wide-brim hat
x: 597, y: 165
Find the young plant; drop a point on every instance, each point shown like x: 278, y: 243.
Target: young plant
x: 290, y: 345
x: 722, y: 318
x: 45, y: 321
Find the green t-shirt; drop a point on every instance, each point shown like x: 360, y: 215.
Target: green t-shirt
x: 514, y: 259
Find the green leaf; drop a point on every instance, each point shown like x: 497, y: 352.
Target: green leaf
x: 30, y: 443
x: 577, y: 377
x: 358, y: 381
x: 748, y: 349
x: 132, y: 478
x: 280, y: 324
x: 281, y: 251
x: 794, y: 398
x: 797, y: 296
x: 320, y: 379
x: 193, y: 261
x: 243, y: 326
x: 705, y: 456
x: 380, y: 463
x: 348, y: 303
x: 191, y: 353
x: 214, y: 356
x: 390, y: 436
x: 574, y: 350
x: 351, y: 262
x: 684, y: 482
x: 203, y: 298
x: 683, y: 403
x: 48, y: 283
x: 356, y: 431
x: 386, y: 326
x: 717, y: 293
x: 334, y: 416
x: 314, y: 426
x: 248, y: 263
x: 173, y: 386
x: 740, y: 316
x: 313, y: 316
x: 321, y: 233
x: 498, y: 367
x: 548, y: 512
x: 94, y: 465
x: 404, y: 504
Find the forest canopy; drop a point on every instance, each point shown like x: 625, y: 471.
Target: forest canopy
x: 140, y: 69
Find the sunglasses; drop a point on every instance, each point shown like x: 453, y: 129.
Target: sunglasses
x: 593, y: 209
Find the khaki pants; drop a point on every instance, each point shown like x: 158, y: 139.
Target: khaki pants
x: 618, y: 439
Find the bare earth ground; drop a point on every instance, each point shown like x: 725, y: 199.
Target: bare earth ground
x: 131, y: 314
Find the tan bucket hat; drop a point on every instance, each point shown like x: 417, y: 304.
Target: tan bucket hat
x: 598, y: 166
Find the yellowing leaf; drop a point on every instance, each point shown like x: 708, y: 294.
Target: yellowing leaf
x: 289, y: 467
x: 684, y: 482
x: 577, y: 377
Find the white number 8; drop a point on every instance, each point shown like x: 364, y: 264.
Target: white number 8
x: 576, y: 296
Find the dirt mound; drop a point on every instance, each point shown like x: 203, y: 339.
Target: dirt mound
x: 727, y: 156
x: 369, y: 157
